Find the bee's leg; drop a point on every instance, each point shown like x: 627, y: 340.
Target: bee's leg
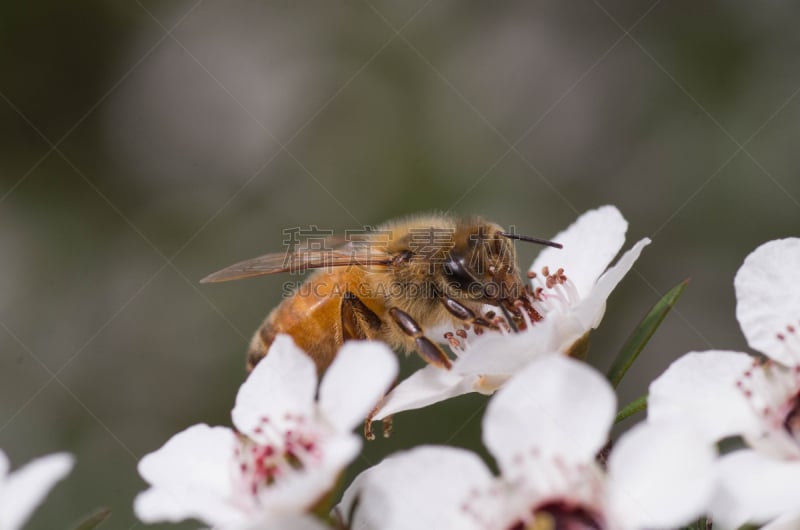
x: 368, y: 434
x: 387, y: 421
x: 511, y: 315
x: 462, y: 312
x: 358, y: 321
x: 426, y: 348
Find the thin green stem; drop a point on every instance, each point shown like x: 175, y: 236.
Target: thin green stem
x: 637, y: 405
x: 643, y: 332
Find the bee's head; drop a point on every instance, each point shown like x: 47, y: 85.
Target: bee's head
x: 482, y: 264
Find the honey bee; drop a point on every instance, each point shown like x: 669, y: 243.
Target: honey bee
x: 392, y: 284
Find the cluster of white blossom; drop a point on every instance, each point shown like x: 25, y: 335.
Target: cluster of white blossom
x: 725, y: 394
x: 292, y: 441
x: 547, y: 425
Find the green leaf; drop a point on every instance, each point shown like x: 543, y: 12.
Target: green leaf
x: 323, y: 507
x: 94, y: 520
x: 641, y: 335
x: 631, y: 408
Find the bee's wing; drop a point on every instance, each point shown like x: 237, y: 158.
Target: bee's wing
x: 297, y: 261
x: 326, y: 242
x: 334, y: 241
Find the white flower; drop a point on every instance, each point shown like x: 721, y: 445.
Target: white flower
x: 289, y: 449
x: 544, y: 429
x: 571, y: 291
x: 23, y: 490
x: 727, y: 393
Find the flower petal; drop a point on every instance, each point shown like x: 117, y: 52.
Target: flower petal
x: 700, y: 388
x: 660, y: 476
x: 755, y: 488
x: 591, y: 308
x: 190, y: 478
x: 175, y: 504
x: 5, y: 465
x: 356, y: 381
x: 590, y: 243
x: 286, y: 522
x: 425, y: 387
x: 790, y: 521
x: 768, y: 299
x: 284, y: 382
x: 421, y: 488
x: 556, y: 405
x: 507, y: 354
x: 27, y: 487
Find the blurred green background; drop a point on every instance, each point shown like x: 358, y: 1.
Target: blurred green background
x: 146, y: 144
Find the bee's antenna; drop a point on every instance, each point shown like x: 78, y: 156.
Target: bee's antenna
x: 530, y: 239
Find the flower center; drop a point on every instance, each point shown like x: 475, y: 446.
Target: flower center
x: 552, y: 291
x: 548, y: 292
x: 559, y: 515
x: 541, y: 493
x: 773, y: 392
x: 274, y: 453
x: 792, y: 421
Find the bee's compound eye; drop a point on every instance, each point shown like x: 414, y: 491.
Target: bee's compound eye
x: 457, y: 271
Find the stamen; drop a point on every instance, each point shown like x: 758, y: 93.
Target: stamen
x: 275, y: 453
x: 548, y: 291
x: 453, y: 341
x: 773, y: 391
x: 790, y: 341
x: 553, y: 291
x: 544, y: 486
